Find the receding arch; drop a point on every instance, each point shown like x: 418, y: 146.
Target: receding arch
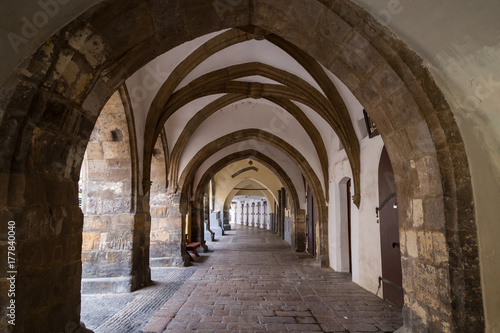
x: 239, y: 172
x: 43, y: 151
x: 228, y: 99
x: 187, y: 175
x: 298, y: 231
x: 261, y: 158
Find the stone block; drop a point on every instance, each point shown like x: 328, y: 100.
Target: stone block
x: 359, y: 55
x: 90, y: 241
x: 333, y: 27
x: 411, y: 243
x: 113, y: 285
x: 271, y: 14
x: 425, y: 246
x: 132, y: 22
x: 440, y: 248
x: 433, y: 213
x: 95, y: 150
x: 367, y: 93
x: 116, y: 150
x: 402, y: 117
x: 417, y: 212
x: 429, y: 176
x: 388, y: 80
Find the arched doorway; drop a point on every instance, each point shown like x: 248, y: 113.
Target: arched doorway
x: 387, y: 210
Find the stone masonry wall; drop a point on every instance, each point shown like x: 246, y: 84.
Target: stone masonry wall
x: 106, y: 202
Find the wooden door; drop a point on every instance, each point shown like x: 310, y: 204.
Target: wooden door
x: 310, y: 224
x: 389, y: 232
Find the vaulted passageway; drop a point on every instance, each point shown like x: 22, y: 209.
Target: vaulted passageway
x: 207, y: 90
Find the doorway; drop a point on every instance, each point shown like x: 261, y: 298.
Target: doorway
x: 348, y: 205
x: 389, y: 233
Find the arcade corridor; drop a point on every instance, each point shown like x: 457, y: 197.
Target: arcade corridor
x: 362, y: 134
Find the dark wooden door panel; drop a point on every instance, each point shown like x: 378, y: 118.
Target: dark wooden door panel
x: 389, y: 232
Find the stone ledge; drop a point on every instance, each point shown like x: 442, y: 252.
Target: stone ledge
x: 114, y: 285
x: 177, y: 261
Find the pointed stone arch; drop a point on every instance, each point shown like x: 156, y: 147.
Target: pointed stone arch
x: 228, y: 99
x: 49, y: 110
x: 188, y: 174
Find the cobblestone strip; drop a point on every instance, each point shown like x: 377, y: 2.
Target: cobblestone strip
x: 133, y: 310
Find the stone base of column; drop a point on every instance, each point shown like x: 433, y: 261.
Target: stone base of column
x: 84, y: 329
x: 204, y: 246
x: 115, y: 285
x: 186, y: 259
x: 177, y: 261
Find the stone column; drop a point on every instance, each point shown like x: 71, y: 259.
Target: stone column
x: 264, y: 211
x: 253, y: 214
x: 206, y: 216
x: 167, y: 237
x: 235, y: 211
x: 299, y: 231
x: 247, y: 213
x: 242, y: 213
x: 197, y: 224
x: 258, y: 215
x: 278, y: 214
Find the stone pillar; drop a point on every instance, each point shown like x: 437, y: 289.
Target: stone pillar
x: 242, y: 213
x: 264, y: 212
x: 282, y: 212
x: 247, y: 213
x: 253, y: 214
x: 197, y: 224
x: 206, y: 216
x: 167, y: 236
x: 225, y: 219
x: 235, y: 212
x: 299, y: 231
x: 278, y: 214
x: 47, y: 224
x: 258, y: 215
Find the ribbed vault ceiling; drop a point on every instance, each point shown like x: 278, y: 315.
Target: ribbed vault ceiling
x: 243, y: 89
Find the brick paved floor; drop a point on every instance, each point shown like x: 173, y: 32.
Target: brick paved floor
x: 252, y: 282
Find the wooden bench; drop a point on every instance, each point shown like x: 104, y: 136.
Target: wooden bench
x: 192, y: 247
